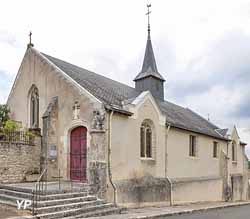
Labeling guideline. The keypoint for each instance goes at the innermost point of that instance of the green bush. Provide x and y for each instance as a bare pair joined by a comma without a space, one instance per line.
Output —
4,114
11,126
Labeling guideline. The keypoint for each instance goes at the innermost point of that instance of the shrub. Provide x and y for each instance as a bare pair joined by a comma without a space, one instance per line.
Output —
11,126
4,114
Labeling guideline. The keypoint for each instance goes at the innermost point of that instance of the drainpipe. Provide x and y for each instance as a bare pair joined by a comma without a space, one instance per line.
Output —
166,166
109,157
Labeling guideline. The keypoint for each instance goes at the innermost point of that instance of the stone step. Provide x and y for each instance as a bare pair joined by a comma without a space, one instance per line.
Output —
23,195
16,194
17,189
56,208
65,201
8,199
63,195
76,188
74,212
12,200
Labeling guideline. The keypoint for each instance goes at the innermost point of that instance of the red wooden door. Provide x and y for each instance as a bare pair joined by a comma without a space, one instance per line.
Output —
78,154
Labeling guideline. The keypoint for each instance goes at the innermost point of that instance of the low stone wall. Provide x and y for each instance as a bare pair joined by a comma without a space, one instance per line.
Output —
18,161
140,191
191,190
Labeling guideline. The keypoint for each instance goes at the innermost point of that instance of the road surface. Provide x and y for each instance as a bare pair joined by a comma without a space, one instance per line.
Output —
242,212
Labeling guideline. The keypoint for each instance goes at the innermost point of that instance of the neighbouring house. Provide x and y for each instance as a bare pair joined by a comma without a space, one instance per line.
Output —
129,143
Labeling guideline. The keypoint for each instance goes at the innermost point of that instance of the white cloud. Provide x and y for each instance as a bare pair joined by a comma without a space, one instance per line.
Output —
109,37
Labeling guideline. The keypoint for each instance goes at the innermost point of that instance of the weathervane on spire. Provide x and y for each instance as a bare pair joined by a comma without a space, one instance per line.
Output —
30,43
148,14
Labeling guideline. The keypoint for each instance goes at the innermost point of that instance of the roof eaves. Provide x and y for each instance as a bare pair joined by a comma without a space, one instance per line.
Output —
118,110
198,132
139,77
243,143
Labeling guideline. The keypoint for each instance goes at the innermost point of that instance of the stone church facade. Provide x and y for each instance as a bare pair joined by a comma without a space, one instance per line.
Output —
128,144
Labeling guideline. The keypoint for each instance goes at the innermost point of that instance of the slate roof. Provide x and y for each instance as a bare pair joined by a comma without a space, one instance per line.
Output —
113,93
103,88
149,67
185,118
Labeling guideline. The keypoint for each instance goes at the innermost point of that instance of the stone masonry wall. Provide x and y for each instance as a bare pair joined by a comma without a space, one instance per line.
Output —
50,127
18,161
139,191
97,166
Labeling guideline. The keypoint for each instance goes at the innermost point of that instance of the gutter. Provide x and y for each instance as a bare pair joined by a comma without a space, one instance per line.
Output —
109,158
166,166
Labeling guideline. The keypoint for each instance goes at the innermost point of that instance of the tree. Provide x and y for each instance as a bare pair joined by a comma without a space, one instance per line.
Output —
4,114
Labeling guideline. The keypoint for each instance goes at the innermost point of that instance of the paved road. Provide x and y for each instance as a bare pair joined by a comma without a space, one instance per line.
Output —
242,212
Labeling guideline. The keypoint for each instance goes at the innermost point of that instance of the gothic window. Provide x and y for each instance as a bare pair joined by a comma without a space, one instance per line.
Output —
233,151
34,107
146,140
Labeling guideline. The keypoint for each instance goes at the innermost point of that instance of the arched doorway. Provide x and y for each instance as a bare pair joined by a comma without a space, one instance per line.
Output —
78,154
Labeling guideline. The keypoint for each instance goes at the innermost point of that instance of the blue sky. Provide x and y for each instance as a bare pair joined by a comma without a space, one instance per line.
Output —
202,48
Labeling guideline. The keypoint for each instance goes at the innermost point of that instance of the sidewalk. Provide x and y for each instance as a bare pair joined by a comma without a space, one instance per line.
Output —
163,211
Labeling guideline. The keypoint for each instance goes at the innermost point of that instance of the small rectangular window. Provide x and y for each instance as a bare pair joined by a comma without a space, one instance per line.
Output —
192,146
215,149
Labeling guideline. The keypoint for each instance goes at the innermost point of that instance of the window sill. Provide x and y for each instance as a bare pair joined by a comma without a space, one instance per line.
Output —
149,159
193,157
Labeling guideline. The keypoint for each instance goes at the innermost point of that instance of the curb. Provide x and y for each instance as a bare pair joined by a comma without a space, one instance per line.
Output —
158,216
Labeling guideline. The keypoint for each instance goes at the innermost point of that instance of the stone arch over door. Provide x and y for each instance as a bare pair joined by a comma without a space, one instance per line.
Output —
78,154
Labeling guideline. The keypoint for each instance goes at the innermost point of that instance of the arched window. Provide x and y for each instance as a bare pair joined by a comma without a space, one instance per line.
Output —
146,134
233,151
34,107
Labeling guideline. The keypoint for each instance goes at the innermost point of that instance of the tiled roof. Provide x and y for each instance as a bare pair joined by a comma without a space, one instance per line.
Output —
113,93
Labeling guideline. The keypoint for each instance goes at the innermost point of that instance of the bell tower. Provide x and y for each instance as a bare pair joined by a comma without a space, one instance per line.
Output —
149,78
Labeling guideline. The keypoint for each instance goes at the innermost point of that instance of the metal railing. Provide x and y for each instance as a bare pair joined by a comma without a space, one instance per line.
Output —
17,137
59,178
39,189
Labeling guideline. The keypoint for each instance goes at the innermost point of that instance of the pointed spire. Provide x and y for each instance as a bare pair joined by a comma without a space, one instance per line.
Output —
149,67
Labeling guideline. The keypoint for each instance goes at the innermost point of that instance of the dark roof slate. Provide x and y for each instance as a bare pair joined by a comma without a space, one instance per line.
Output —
113,93
185,118
104,89
149,67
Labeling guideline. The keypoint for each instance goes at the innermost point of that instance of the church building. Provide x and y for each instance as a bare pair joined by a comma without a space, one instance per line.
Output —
129,143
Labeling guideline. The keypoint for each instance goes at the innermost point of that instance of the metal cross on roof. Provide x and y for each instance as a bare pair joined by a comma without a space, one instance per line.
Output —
148,13
30,37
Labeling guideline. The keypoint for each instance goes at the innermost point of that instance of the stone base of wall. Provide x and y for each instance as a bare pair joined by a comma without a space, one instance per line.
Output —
141,191
98,178
18,161
191,190
237,187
